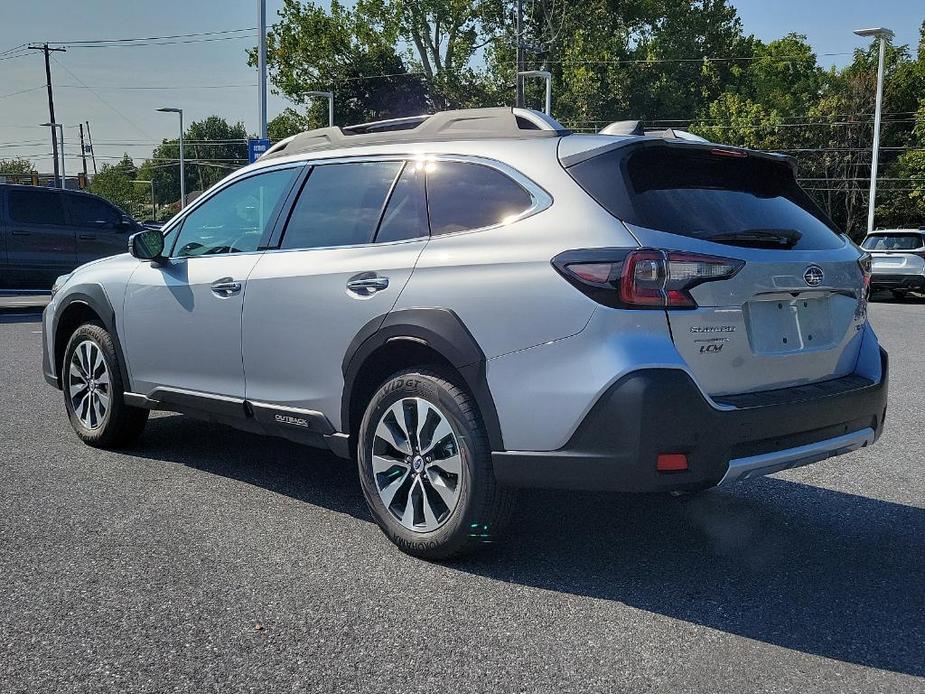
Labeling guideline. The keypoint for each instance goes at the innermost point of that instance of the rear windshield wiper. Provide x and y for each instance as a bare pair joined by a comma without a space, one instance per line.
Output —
760,238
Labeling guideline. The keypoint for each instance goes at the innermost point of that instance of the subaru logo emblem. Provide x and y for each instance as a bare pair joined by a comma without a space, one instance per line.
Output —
813,275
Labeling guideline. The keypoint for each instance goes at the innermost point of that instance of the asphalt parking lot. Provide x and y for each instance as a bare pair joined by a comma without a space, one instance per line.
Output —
205,559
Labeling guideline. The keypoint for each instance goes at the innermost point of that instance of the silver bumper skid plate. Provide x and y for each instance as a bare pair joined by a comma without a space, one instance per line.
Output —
767,463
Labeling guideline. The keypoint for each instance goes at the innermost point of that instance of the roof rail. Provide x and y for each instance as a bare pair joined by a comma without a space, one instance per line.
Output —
463,124
635,127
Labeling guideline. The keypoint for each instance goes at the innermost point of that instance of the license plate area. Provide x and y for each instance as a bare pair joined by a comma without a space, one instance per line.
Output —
790,325
888,262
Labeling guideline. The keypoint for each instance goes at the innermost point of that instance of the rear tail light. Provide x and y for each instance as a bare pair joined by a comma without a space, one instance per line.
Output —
644,278
866,263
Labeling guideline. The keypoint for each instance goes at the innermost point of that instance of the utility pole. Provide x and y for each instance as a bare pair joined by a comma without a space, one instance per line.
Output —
519,98
83,150
92,151
262,67
883,35
51,101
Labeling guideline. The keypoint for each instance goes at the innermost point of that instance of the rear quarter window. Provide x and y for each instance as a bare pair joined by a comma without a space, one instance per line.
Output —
696,193
463,196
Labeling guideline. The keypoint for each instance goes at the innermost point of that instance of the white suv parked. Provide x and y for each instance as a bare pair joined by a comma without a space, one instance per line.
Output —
898,257
479,300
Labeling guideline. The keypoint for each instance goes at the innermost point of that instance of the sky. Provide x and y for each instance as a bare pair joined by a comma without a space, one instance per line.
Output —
119,88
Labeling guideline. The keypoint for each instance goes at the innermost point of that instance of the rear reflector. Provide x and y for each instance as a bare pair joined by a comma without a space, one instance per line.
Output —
671,462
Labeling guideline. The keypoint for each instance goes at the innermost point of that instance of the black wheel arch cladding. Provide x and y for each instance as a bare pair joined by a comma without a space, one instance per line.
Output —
94,298
440,330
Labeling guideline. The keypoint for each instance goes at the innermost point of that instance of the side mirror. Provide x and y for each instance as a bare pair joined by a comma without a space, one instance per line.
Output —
147,245
125,223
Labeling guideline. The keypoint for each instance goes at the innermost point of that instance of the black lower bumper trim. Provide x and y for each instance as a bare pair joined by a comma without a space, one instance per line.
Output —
897,282
657,411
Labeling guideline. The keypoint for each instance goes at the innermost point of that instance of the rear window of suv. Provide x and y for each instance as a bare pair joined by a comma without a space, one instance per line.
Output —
710,194
893,242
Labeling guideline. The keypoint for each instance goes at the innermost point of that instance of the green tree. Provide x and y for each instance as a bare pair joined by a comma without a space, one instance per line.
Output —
212,149
289,122
443,37
314,49
16,167
115,183
902,193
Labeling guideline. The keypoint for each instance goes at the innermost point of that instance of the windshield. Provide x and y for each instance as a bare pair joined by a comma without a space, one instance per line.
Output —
892,242
710,194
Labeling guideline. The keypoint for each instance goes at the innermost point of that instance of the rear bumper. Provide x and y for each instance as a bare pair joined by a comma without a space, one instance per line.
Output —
879,281
655,411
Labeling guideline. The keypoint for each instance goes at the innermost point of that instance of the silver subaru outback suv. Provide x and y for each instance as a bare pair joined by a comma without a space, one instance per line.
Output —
479,300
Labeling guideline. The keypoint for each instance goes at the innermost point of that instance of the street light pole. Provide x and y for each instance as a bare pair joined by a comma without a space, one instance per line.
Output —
179,111
262,67
547,76
60,139
330,97
883,34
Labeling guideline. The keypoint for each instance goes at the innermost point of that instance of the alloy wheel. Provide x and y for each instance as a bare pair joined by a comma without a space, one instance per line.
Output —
416,464
88,384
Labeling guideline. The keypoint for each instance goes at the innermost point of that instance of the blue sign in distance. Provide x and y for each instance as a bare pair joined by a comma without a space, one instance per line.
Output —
255,148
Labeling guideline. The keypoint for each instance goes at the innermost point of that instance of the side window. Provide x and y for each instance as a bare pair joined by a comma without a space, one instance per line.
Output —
406,212
36,206
87,211
340,204
464,196
234,219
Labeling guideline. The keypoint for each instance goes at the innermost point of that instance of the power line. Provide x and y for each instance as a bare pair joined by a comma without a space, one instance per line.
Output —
158,43
702,59
22,91
168,37
101,99
158,88
13,49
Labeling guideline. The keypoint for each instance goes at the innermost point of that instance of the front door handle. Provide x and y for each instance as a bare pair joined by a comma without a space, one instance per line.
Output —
86,237
367,284
20,232
226,286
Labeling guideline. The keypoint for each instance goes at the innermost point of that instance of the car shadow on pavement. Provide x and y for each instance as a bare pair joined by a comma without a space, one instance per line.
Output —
888,298
798,566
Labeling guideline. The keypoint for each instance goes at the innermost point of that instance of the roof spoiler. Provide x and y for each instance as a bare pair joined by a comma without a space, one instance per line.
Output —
635,127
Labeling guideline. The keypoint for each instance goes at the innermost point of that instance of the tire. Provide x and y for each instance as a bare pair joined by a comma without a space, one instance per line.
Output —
455,481
95,404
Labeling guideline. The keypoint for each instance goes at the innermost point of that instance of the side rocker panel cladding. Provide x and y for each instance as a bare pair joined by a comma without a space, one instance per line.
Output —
442,331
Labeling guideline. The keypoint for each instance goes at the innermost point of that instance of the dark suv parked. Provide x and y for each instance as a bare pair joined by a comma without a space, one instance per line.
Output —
47,232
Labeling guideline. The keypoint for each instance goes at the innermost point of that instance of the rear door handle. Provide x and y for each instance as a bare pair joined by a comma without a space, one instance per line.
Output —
86,237
226,286
19,232
368,284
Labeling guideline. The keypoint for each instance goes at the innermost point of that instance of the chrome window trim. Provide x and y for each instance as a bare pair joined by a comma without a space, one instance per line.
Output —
540,199
232,178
